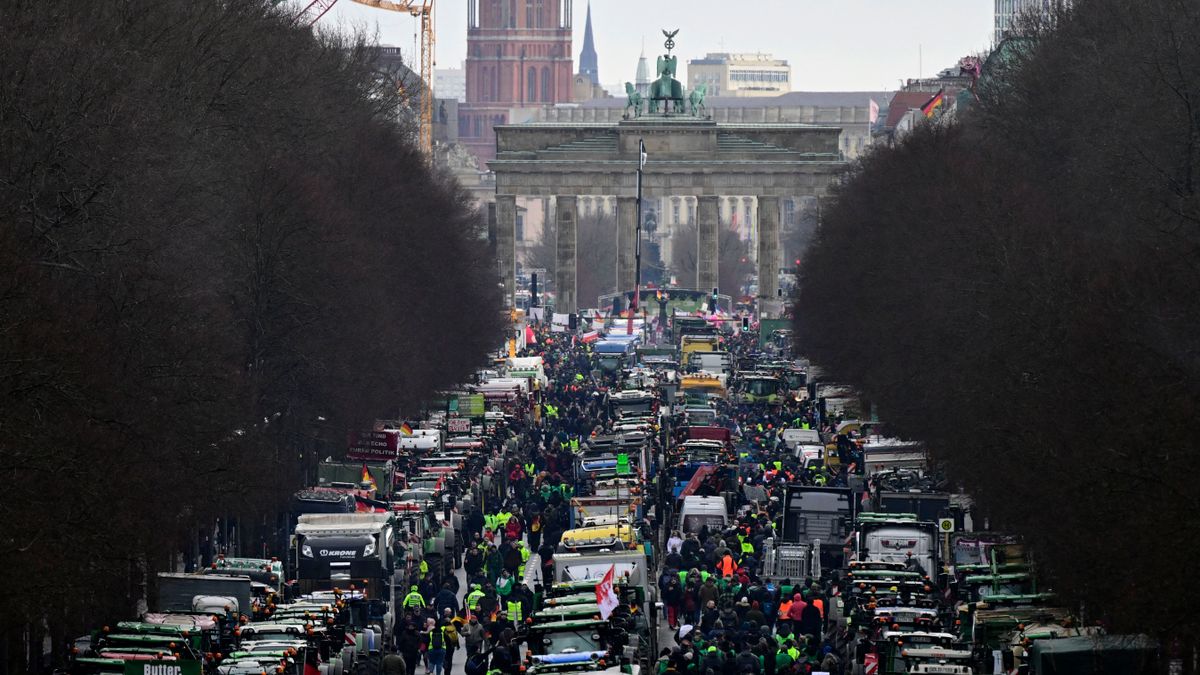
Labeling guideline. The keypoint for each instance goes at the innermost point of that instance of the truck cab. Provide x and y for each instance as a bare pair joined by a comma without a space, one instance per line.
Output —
698,512
896,537
341,547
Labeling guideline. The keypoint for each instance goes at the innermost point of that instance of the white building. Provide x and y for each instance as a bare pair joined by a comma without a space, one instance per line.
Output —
1007,12
727,74
450,83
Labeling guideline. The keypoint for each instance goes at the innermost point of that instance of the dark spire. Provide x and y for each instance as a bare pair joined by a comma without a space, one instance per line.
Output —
587,57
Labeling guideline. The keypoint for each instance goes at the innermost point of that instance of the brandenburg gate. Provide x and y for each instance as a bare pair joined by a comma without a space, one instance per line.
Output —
687,155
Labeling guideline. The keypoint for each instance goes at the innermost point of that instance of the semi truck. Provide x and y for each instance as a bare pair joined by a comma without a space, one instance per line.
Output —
895,538
816,524
338,547
195,593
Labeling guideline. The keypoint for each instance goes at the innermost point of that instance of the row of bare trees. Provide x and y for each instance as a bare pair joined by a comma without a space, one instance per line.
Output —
1019,288
219,250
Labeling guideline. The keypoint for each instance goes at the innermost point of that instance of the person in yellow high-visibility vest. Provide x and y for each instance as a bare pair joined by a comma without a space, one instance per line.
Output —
747,548
524,559
414,600
473,598
514,611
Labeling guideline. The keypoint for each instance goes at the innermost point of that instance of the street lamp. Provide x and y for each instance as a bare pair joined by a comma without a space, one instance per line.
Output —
637,239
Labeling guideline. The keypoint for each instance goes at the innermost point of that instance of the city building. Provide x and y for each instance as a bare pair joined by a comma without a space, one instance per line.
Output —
727,74
1008,12
518,60
849,110
450,83
902,114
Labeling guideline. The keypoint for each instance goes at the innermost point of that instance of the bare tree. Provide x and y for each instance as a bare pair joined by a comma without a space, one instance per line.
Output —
734,265
215,229
1018,289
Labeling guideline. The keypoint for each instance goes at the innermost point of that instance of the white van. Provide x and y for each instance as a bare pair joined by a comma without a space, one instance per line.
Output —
797,437
700,511
529,366
806,452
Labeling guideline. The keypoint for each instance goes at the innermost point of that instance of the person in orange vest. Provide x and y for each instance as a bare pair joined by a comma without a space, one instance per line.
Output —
784,620
726,565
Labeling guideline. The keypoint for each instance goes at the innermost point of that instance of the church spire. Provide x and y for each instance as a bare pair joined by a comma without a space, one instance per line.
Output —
588,62
642,79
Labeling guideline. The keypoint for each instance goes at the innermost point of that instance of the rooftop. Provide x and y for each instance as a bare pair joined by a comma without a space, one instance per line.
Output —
901,103
793,99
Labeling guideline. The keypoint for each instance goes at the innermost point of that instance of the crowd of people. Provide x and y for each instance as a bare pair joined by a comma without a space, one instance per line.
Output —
727,619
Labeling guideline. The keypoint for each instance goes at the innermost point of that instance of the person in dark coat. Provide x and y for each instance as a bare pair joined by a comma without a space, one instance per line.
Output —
768,649
477,664
546,556
512,559
473,562
475,521
533,526
445,599
747,662
408,643
810,622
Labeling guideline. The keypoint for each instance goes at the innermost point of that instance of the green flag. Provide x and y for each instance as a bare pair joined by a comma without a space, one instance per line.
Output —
622,464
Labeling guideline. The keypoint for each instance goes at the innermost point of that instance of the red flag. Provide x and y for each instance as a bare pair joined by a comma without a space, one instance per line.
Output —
530,338
606,598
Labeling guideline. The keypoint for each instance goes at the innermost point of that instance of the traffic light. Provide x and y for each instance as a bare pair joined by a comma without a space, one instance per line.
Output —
533,290
745,323
572,321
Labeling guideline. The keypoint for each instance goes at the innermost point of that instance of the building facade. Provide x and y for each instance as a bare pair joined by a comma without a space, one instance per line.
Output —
848,110
518,59
450,83
1008,12
726,74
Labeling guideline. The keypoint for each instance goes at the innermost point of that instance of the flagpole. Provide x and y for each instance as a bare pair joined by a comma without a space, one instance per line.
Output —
637,238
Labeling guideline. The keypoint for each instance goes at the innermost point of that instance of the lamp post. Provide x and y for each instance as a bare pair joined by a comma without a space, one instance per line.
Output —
637,239
663,299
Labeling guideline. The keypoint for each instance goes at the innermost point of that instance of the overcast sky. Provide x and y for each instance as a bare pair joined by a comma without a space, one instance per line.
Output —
832,45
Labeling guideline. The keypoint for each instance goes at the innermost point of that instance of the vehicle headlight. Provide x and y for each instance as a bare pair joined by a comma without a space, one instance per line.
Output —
369,549
306,551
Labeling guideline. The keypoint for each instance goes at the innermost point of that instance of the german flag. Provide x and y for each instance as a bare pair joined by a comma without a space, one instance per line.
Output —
934,103
406,429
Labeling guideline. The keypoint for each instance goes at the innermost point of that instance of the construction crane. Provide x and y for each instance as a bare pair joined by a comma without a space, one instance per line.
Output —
422,9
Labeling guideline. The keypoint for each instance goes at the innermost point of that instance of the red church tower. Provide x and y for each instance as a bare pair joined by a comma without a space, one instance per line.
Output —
518,56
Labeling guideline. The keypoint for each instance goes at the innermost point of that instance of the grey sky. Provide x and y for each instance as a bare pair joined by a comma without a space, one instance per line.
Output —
832,45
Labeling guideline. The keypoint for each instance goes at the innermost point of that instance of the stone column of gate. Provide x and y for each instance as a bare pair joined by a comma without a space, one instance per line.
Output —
768,248
506,243
626,231
707,225
565,300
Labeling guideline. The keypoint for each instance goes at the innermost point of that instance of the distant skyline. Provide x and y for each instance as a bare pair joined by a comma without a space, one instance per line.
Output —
832,45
